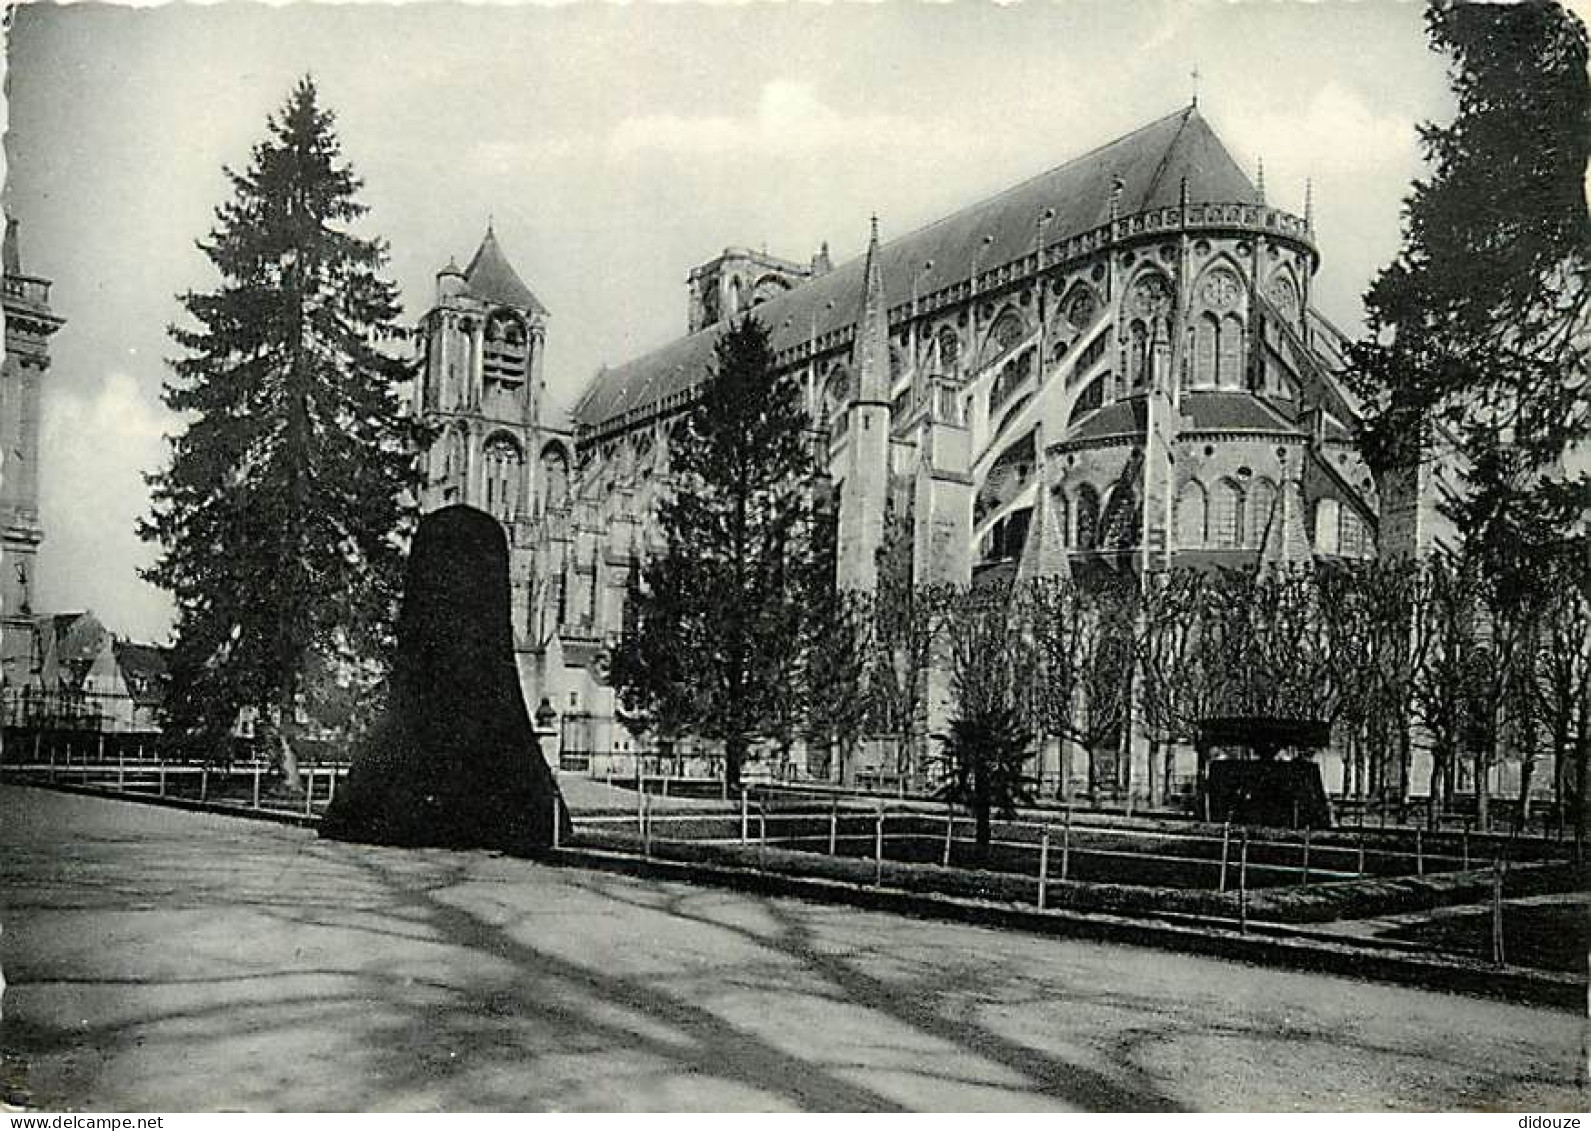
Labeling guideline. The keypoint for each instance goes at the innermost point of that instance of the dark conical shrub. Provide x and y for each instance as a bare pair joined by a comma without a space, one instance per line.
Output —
454,762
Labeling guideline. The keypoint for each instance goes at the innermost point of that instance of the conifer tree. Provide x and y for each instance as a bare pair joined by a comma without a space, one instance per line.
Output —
281,511
722,597
1481,329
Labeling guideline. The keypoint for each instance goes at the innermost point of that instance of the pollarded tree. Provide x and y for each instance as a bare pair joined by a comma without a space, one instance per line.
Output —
1176,691
1562,683
907,620
986,753
1084,643
1443,648
723,595
1369,613
838,647
281,513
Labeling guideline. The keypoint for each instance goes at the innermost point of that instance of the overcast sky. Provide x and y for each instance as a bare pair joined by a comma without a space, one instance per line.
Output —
616,147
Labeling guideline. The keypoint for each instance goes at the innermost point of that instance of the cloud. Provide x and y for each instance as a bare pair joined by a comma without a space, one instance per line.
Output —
789,117
1337,131
95,448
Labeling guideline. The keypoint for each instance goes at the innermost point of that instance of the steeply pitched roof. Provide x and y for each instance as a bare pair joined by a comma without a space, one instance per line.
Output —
143,669
491,278
1151,163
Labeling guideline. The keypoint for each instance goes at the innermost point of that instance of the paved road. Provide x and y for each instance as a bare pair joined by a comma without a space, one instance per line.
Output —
175,961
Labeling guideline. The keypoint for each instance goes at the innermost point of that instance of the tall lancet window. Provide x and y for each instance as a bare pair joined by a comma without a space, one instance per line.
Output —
1087,533
504,468
1226,515
1229,353
1137,355
1263,512
1192,515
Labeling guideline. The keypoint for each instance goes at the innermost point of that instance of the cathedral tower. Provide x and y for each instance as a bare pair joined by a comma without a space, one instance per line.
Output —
865,491
480,387
29,324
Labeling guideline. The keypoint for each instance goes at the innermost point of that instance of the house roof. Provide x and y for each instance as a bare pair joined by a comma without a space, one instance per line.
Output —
143,668
1150,164
491,278
77,637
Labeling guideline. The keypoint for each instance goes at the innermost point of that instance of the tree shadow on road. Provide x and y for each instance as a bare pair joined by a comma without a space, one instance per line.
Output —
328,976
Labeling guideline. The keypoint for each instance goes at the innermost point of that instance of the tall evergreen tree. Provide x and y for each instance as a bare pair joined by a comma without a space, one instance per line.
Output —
1481,329
722,597
281,511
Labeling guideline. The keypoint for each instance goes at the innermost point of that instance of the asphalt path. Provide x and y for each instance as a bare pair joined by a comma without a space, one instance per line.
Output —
174,961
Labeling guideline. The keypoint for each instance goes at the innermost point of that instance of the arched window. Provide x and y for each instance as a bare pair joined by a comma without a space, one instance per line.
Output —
1327,526
1011,376
554,477
1081,308
1137,355
836,399
1354,540
505,356
1005,335
455,465
1087,535
1122,518
1229,353
1262,512
1226,515
504,464
736,298
949,350
1192,514
769,286
1205,332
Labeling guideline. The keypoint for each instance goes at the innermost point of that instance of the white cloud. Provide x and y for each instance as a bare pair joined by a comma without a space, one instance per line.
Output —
95,449
789,117
1337,131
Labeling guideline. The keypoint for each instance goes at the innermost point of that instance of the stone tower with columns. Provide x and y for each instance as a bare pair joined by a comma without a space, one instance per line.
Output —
479,387
29,324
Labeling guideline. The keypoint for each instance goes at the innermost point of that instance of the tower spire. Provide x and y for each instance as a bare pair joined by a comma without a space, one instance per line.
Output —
1309,203
1259,184
865,494
871,349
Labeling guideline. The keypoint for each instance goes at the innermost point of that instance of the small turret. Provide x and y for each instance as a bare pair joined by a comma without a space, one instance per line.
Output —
822,264
449,280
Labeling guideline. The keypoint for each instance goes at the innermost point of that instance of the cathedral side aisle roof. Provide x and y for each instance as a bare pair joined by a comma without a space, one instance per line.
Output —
491,278
1151,164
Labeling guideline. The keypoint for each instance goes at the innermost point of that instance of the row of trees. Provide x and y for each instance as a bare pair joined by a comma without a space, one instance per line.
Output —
1393,656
